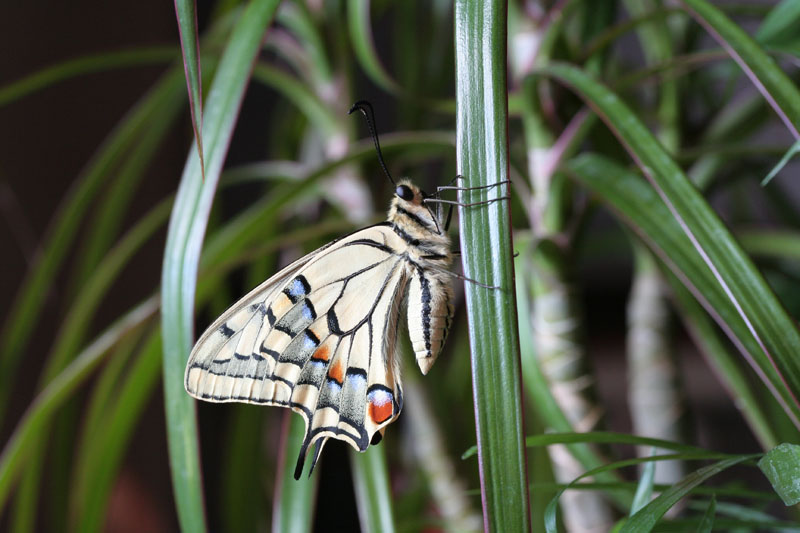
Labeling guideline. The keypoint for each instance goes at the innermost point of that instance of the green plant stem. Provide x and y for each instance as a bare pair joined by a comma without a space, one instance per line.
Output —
482,158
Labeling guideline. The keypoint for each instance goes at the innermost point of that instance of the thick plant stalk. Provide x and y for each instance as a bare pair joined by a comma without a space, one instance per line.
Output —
328,136
428,445
654,397
556,319
557,329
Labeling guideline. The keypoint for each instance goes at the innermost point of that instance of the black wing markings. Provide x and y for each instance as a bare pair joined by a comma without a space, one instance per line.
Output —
362,440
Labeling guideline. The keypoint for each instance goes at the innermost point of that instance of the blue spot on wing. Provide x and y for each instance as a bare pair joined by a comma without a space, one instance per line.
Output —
356,378
308,311
297,289
310,341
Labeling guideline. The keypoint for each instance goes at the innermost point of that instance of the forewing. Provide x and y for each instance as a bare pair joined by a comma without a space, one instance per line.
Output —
225,352
319,337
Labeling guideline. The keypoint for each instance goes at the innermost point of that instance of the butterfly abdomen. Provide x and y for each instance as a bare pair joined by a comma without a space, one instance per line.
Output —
429,314
429,292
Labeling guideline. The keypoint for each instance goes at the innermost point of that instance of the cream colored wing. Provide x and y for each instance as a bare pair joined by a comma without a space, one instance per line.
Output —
318,337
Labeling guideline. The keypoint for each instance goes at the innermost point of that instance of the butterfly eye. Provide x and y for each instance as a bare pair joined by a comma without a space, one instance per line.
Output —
404,192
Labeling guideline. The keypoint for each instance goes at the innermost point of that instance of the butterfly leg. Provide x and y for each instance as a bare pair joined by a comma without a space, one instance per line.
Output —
438,200
450,187
478,283
449,218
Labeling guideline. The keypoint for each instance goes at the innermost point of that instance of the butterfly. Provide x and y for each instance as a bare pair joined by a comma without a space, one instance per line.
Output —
320,336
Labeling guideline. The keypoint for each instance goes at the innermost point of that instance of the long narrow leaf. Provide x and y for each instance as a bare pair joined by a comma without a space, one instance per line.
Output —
59,390
550,512
646,518
31,295
482,158
762,70
131,399
707,522
371,481
293,505
186,12
766,323
105,224
360,25
552,417
181,256
85,65
647,215
644,489
94,416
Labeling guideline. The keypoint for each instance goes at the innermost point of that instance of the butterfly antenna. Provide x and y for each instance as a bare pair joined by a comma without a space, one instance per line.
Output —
366,110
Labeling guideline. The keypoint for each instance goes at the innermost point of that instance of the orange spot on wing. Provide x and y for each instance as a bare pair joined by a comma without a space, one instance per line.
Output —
335,372
322,353
380,413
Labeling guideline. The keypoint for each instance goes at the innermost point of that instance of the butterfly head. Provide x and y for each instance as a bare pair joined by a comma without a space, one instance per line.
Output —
409,209
408,193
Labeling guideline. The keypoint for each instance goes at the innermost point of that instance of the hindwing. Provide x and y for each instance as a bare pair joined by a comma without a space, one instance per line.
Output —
318,337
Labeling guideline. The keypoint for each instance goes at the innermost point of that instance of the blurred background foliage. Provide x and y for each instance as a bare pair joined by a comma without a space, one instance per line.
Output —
641,311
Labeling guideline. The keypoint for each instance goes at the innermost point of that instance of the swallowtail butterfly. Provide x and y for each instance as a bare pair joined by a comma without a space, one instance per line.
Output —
320,336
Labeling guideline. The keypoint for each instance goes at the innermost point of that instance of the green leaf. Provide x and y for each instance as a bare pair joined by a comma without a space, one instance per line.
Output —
759,322
293,505
94,417
707,522
186,12
764,73
297,18
771,243
107,218
110,445
182,252
537,388
644,489
644,211
598,437
746,514
65,224
780,24
31,427
482,158
47,77
719,358
317,112
373,493
644,520
552,507
782,163
781,465
360,26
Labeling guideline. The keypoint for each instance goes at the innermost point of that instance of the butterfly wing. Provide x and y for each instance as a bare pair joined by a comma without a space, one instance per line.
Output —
318,337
